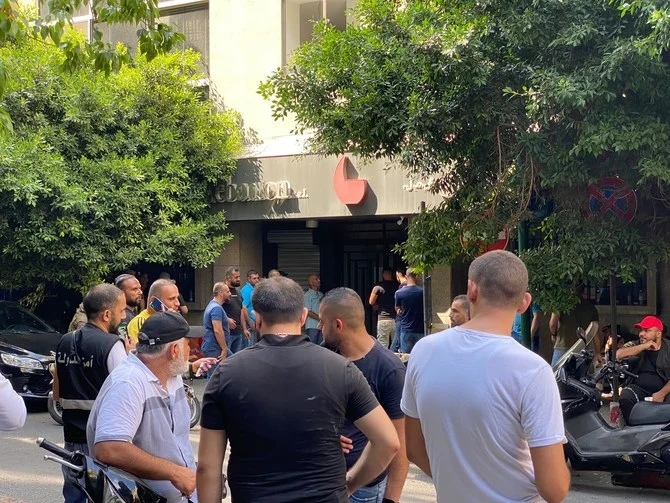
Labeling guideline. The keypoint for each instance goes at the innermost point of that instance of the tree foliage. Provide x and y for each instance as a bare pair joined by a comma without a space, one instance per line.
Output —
20,22
104,171
514,108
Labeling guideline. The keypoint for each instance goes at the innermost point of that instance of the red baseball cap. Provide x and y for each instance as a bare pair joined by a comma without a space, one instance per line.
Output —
650,322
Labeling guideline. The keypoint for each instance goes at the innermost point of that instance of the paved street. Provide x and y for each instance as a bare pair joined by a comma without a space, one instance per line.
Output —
25,478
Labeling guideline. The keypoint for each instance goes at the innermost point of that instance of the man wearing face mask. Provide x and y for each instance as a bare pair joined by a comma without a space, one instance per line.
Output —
140,422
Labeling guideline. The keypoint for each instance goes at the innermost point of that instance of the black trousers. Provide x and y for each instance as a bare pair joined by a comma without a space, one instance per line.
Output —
631,395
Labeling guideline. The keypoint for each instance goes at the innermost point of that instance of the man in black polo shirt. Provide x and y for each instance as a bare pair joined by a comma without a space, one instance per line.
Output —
236,312
343,324
84,359
282,404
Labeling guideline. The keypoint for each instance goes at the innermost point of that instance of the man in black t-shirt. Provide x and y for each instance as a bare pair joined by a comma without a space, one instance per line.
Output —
282,404
343,319
383,301
653,370
236,312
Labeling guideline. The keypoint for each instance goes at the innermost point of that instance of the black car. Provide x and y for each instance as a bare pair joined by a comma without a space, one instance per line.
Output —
26,343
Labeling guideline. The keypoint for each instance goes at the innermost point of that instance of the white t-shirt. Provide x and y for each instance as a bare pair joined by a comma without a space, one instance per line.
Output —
12,408
482,400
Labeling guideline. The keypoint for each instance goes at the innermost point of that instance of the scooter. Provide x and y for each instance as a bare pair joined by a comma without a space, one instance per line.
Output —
100,483
642,447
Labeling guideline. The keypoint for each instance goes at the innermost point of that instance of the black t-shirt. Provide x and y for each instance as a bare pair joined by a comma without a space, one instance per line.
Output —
648,378
386,375
282,403
386,300
233,310
410,298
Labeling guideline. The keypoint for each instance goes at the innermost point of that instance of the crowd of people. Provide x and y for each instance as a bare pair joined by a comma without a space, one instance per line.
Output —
324,411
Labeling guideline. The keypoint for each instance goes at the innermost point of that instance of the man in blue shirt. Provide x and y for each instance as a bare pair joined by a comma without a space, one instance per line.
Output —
312,300
217,332
536,317
246,291
409,304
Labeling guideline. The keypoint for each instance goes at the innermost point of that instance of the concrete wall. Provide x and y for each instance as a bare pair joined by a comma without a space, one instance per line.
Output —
246,47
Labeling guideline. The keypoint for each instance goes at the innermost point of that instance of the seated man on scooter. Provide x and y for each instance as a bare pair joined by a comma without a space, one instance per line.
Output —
653,368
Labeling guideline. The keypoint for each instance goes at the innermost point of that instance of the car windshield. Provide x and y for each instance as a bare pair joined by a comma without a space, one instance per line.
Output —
14,318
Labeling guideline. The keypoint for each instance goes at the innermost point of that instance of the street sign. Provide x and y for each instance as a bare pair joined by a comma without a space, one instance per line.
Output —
498,244
611,195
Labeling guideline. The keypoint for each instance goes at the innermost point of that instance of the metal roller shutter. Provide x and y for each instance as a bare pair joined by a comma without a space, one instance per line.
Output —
297,255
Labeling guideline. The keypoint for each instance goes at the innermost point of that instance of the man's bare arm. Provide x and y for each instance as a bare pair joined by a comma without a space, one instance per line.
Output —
552,476
383,444
217,327
313,315
210,465
399,466
416,445
134,460
535,323
633,350
553,323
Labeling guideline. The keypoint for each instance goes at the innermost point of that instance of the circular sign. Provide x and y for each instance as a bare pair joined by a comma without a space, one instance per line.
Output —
498,244
612,195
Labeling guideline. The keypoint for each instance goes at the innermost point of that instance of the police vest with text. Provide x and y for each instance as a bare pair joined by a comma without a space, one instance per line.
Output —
81,363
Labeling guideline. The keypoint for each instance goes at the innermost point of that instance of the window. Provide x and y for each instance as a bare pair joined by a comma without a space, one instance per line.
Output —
300,16
632,298
190,17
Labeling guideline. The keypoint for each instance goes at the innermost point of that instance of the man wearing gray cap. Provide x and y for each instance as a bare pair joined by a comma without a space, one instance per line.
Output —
141,420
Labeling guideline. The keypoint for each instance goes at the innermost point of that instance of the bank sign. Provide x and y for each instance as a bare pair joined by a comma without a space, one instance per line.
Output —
312,186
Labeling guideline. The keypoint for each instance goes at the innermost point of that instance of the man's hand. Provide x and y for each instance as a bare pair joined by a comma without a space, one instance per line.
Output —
651,345
658,397
378,289
246,333
231,324
223,355
346,443
203,365
184,480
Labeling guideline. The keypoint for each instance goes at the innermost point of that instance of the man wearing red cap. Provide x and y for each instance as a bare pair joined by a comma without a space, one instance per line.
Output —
653,368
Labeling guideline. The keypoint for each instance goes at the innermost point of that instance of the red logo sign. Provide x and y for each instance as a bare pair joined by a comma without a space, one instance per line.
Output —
350,191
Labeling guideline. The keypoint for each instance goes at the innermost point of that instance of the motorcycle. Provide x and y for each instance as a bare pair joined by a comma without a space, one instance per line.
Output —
56,411
103,484
640,449
100,483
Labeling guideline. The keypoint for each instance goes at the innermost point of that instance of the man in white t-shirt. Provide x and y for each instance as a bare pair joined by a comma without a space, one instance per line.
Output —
483,413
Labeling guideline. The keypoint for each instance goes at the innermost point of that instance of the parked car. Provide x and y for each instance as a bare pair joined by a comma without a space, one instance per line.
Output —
26,346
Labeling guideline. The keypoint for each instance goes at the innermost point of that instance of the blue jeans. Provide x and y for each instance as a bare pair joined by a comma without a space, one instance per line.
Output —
314,335
213,353
70,492
236,342
558,353
370,494
395,343
408,340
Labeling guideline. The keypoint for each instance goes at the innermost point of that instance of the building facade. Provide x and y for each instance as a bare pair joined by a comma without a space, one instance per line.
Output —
304,213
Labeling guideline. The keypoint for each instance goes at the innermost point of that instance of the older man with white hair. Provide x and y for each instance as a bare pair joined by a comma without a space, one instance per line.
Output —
141,419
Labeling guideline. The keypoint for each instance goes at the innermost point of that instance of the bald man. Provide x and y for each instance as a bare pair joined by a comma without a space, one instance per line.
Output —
342,322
